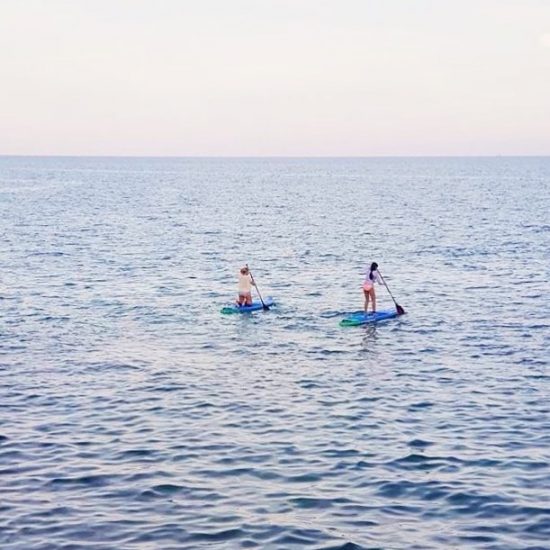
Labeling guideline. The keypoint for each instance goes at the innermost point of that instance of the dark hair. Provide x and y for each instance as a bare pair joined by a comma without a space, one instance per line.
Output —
373,267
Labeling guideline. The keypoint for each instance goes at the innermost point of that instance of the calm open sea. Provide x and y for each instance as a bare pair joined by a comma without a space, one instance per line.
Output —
134,416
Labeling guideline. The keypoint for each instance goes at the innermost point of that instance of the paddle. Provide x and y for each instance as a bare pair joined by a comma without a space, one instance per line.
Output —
398,308
264,306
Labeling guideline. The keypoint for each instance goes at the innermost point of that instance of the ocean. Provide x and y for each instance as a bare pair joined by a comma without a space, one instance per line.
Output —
133,415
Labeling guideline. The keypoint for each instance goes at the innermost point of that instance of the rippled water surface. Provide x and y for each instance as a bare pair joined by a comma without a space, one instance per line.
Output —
134,416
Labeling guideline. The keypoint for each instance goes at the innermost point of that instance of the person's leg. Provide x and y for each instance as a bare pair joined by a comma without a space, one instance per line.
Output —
248,301
366,293
240,300
373,299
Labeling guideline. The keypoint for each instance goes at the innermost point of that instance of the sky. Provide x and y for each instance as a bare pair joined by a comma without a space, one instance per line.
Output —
275,78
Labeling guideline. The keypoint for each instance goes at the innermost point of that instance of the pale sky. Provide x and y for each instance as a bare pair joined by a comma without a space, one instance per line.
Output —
279,77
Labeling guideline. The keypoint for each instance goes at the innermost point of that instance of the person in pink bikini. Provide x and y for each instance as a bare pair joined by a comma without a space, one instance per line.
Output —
372,277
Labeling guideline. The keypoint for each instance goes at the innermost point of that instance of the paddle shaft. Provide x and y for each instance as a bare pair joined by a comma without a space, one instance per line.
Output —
398,308
257,290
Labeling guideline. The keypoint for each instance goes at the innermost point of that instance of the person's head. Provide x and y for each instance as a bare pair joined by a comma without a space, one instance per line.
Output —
373,267
244,270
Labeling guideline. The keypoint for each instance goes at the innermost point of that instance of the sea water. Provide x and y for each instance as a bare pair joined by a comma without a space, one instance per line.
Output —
133,415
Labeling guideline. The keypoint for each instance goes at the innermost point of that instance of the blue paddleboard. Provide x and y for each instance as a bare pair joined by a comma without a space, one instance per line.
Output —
359,318
246,309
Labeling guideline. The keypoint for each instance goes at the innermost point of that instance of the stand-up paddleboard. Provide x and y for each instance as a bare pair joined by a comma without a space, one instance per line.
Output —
247,309
359,318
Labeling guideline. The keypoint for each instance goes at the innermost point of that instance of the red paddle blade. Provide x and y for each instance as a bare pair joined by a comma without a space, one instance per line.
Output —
400,310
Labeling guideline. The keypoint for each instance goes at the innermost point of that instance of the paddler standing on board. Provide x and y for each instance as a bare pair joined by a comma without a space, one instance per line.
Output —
372,276
246,282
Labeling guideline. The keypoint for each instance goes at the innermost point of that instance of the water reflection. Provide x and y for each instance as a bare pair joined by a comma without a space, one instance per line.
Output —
369,338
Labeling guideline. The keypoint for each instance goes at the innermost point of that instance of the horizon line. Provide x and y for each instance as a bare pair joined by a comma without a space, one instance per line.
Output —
86,155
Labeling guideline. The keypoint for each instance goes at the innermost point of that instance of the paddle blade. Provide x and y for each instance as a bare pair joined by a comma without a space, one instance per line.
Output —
399,309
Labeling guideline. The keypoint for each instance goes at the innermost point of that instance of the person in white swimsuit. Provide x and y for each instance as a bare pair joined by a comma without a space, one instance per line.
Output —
372,277
246,282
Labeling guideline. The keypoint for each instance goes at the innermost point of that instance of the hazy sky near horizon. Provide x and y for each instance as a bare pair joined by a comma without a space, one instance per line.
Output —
280,77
